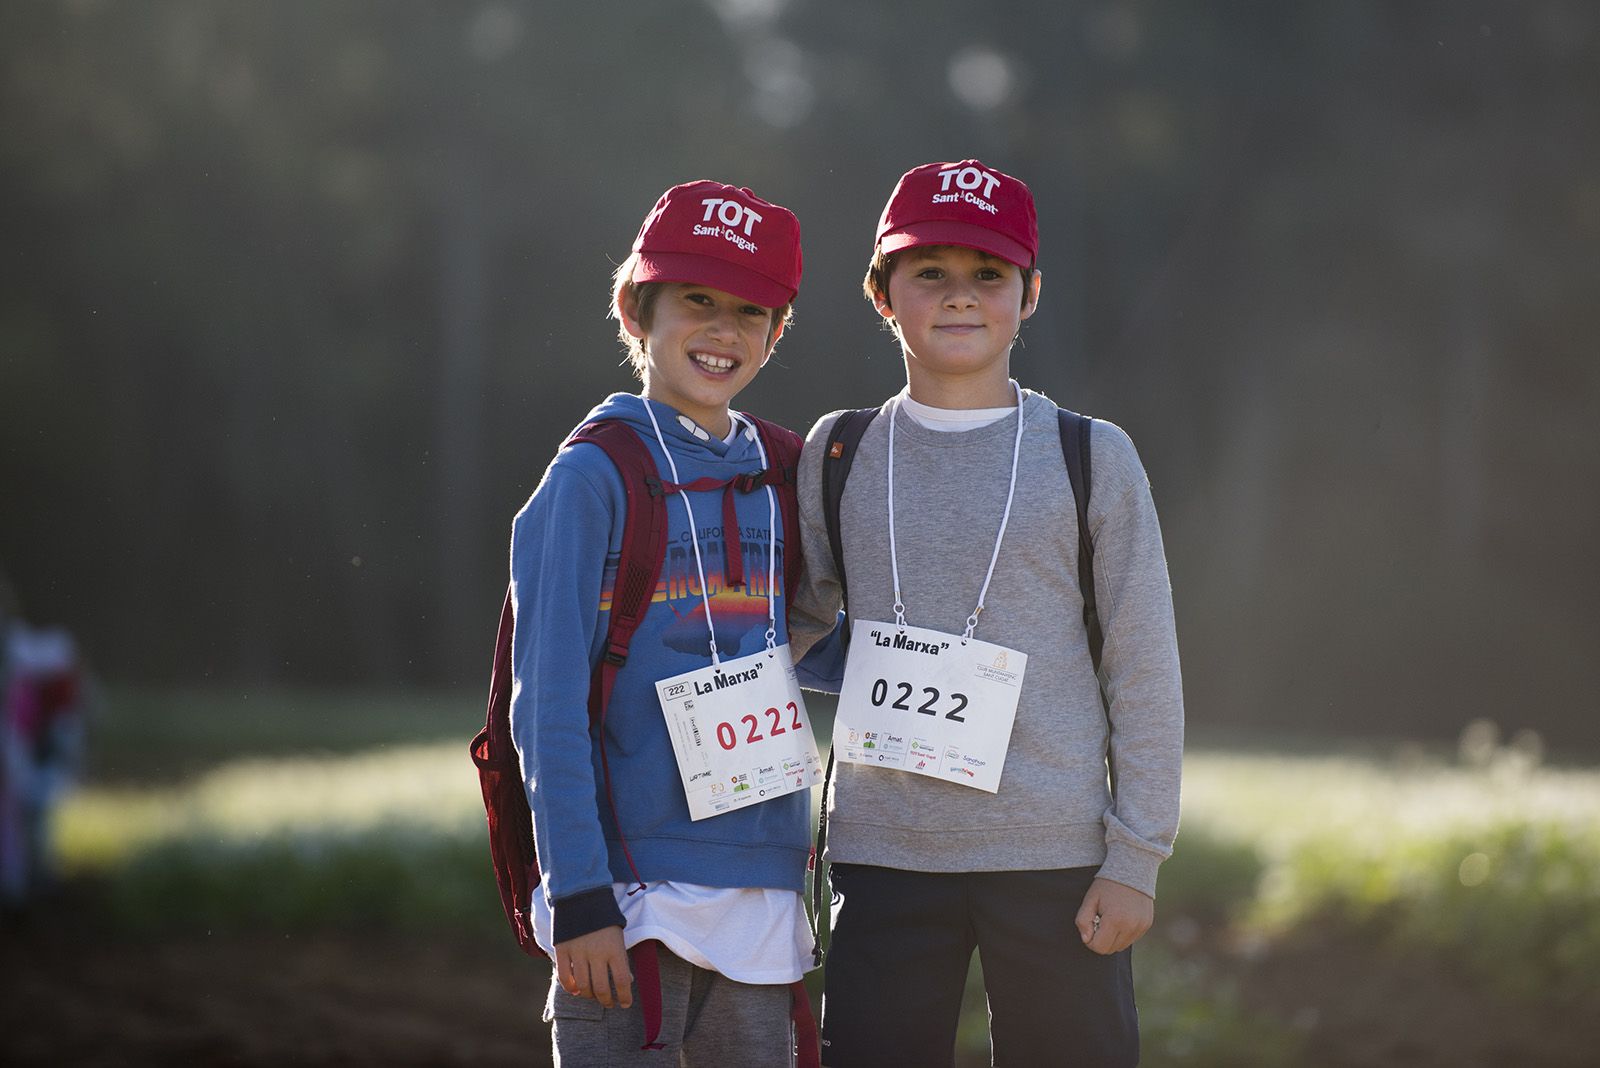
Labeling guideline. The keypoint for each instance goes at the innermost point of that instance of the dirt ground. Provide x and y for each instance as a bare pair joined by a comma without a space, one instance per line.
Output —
1366,1007
68,996
328,999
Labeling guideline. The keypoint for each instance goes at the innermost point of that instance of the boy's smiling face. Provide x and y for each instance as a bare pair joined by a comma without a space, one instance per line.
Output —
956,311
702,346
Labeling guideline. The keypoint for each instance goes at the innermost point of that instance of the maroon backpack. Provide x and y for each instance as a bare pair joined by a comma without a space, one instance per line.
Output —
644,536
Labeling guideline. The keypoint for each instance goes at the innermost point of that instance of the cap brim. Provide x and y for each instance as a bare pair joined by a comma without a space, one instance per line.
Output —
696,270
946,232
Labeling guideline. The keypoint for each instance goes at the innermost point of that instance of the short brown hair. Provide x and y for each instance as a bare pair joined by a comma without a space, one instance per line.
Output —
643,296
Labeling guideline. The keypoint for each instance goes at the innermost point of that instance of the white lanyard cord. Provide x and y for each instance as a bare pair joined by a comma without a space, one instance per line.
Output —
894,560
772,544
694,537
1005,518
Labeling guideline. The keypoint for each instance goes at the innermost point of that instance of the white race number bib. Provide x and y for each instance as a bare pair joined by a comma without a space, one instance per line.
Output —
740,732
919,700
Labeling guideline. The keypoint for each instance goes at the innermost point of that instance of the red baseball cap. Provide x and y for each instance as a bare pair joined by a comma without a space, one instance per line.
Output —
710,234
968,204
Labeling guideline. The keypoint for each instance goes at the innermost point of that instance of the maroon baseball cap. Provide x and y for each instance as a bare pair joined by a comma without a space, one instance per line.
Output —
968,204
710,234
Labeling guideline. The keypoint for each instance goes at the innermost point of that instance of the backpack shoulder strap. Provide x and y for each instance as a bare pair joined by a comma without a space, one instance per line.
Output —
638,570
1075,449
644,548
783,465
843,439
511,849
644,543
838,454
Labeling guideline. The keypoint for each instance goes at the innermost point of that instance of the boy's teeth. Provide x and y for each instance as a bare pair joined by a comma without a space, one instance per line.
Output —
715,363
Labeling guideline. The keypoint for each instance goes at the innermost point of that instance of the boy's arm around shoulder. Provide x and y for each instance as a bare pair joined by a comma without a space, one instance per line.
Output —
814,609
559,544
1144,684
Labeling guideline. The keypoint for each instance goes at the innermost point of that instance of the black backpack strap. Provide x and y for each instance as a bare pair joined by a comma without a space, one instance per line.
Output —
1075,448
843,438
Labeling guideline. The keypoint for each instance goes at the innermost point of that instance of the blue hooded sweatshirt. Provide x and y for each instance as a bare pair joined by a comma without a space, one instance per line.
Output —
565,546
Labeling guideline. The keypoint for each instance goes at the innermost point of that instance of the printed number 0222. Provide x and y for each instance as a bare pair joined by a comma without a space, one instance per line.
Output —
903,692
727,737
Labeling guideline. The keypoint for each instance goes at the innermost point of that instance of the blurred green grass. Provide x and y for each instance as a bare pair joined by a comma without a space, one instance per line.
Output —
145,736
325,811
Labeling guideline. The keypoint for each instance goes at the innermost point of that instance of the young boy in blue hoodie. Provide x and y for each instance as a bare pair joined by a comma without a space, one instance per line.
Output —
640,851
984,797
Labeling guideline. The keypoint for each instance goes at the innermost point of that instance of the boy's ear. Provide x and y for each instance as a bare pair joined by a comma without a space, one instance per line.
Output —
628,311
881,302
1031,305
772,342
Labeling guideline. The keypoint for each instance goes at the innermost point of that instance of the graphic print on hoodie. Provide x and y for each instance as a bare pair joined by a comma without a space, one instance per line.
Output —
739,609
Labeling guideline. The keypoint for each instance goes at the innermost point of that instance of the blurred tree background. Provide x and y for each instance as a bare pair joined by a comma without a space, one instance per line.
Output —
297,300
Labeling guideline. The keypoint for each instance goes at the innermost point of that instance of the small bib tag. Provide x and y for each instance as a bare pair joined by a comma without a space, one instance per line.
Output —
926,702
740,732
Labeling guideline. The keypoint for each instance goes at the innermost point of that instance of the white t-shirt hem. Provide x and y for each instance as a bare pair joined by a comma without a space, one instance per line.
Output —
634,934
755,935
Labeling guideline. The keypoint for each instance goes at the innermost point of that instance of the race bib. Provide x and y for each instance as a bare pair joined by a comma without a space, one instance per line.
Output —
919,700
740,733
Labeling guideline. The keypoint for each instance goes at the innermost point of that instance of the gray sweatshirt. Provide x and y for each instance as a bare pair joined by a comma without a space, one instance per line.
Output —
1055,807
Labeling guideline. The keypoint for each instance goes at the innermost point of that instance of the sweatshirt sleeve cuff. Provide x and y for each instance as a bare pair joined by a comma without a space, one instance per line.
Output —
1130,869
1130,859
581,913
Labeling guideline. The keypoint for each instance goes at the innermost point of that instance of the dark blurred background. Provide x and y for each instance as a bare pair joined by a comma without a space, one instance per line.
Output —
297,300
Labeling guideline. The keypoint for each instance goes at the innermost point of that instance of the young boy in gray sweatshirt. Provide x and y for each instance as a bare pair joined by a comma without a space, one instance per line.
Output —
985,797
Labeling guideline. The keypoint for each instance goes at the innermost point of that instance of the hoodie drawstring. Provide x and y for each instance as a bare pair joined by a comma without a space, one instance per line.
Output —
733,565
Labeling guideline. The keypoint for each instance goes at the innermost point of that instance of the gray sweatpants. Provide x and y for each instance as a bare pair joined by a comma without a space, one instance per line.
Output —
707,1019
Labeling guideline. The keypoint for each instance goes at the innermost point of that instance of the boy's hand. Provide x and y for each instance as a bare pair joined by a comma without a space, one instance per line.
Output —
1113,916
589,965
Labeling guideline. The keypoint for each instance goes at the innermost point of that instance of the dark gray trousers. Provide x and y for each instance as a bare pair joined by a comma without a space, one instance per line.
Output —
707,1019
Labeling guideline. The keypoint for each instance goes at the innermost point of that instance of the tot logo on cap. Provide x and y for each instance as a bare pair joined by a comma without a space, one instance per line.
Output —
968,204
710,234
